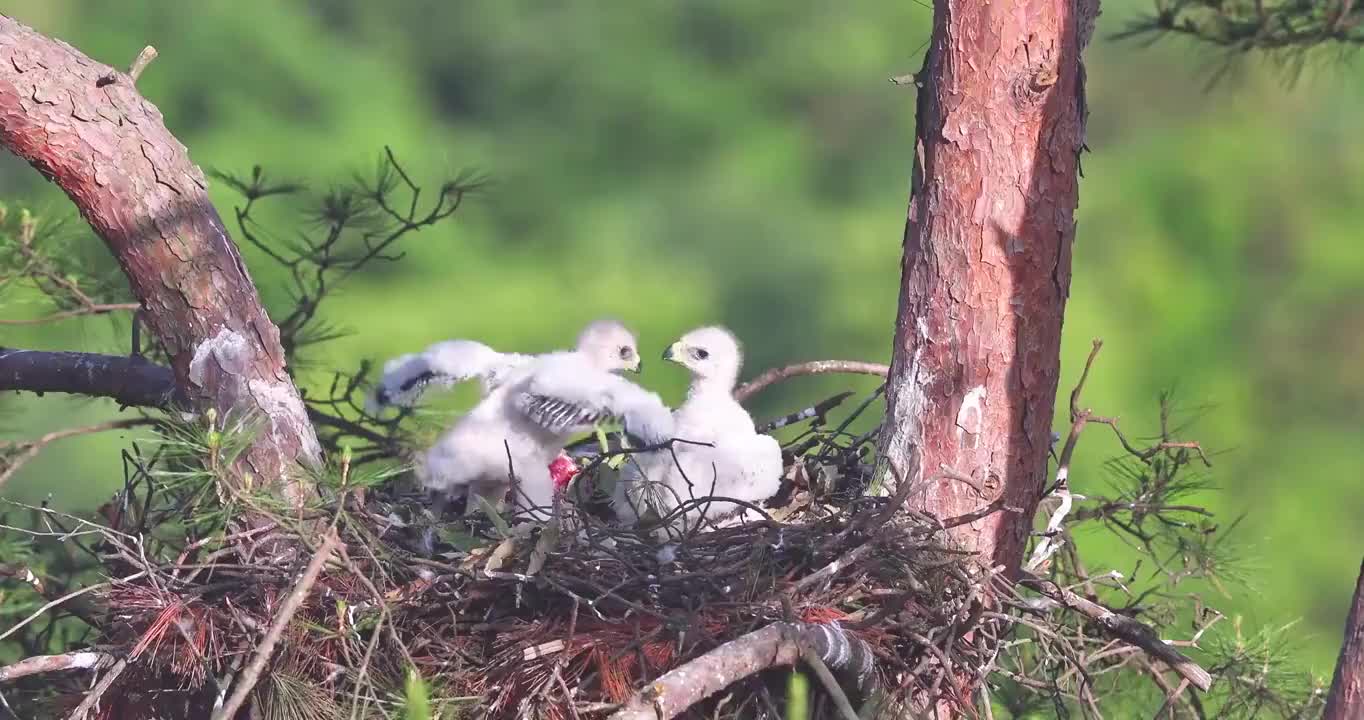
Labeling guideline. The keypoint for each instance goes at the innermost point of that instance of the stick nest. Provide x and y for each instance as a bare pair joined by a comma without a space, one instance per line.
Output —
194,590
554,620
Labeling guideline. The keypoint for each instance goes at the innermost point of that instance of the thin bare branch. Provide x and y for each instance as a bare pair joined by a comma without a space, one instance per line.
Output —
1123,628
26,450
93,309
38,664
251,675
815,367
82,711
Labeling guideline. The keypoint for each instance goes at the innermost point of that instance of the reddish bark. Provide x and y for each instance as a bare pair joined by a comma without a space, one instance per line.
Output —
84,126
1346,701
987,261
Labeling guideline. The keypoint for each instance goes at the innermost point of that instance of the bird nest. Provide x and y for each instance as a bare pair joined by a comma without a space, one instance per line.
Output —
207,598
195,596
333,608
519,624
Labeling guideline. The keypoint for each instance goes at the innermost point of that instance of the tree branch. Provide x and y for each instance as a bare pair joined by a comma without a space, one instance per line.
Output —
95,309
30,449
131,381
1121,627
38,664
777,645
814,367
251,675
83,125
1346,699
82,711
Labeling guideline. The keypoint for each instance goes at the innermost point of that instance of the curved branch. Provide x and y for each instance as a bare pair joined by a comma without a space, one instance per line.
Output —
84,126
814,367
26,451
777,645
1133,632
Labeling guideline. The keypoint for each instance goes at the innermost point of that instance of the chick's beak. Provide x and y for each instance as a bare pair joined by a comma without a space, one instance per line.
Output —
673,352
638,367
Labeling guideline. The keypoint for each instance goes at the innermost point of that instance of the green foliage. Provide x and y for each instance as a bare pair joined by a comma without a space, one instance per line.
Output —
1287,29
46,261
797,696
416,698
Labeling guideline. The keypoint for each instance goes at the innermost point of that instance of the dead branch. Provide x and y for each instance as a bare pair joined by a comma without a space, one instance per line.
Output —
776,645
83,710
1052,536
85,660
141,62
814,367
251,675
1346,699
27,450
1121,627
129,380
93,309
67,597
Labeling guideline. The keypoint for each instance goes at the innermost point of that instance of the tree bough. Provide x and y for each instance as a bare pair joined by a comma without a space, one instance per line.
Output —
84,126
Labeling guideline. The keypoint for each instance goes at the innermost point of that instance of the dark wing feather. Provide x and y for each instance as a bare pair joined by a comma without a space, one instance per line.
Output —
558,415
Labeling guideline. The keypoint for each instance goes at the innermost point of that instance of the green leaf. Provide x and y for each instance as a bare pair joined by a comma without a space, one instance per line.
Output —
416,698
797,696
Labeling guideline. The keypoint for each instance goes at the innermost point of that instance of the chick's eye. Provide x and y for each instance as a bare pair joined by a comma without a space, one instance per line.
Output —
701,353
625,353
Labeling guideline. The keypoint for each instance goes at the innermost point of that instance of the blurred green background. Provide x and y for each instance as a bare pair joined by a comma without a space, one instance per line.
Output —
747,162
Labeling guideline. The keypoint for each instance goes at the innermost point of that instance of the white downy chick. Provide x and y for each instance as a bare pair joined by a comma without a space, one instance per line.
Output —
742,464
521,424
444,364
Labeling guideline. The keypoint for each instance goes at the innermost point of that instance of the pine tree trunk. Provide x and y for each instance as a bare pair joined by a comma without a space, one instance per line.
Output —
987,262
1346,700
84,126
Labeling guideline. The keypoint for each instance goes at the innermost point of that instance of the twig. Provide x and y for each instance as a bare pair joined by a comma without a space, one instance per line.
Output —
830,683
69,596
31,448
832,569
1172,694
85,660
1084,376
141,62
96,309
903,489
1123,628
251,675
1051,537
815,367
818,410
98,691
